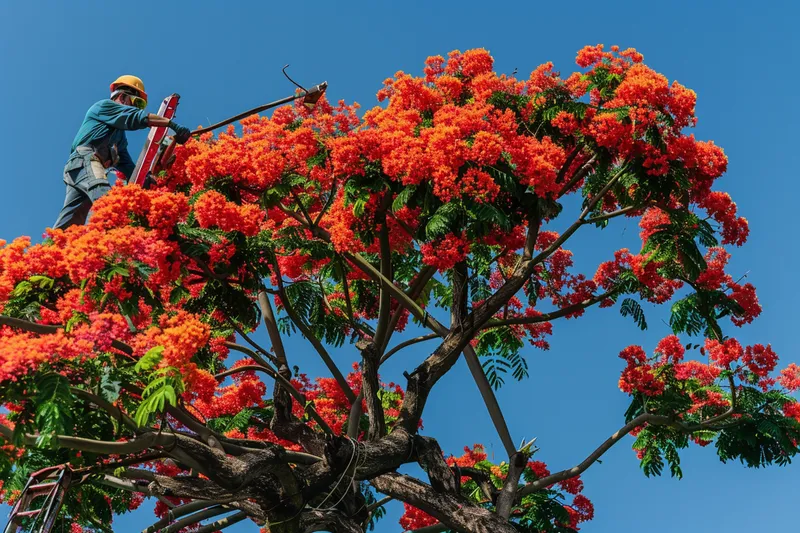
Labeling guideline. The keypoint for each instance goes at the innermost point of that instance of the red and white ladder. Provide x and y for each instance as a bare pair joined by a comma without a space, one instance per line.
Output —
47,489
155,149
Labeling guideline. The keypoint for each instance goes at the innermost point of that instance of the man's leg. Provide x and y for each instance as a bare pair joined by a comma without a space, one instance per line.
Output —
85,184
76,207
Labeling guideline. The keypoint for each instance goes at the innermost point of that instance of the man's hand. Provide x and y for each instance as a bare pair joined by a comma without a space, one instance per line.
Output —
182,133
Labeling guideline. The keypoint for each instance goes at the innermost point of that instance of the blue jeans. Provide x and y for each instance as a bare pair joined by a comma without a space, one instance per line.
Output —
86,181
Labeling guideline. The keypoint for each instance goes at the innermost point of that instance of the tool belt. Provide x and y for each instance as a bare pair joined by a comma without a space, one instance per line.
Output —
106,152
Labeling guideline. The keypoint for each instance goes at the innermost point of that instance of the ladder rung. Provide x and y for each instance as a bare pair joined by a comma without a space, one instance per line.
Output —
42,486
29,513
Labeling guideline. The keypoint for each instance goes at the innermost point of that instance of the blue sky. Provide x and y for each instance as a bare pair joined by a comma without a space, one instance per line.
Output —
57,59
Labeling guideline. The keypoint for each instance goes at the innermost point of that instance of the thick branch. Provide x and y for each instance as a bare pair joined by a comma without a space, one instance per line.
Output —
385,299
431,458
435,528
44,329
508,494
332,521
197,517
272,327
370,387
452,510
117,483
179,511
148,440
219,525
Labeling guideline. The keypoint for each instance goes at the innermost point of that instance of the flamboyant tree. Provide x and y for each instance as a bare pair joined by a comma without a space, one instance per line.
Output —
127,349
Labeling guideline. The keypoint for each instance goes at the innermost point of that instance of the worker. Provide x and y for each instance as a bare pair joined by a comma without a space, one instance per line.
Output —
100,148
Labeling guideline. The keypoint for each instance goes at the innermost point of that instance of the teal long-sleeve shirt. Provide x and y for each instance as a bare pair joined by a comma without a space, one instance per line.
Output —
108,119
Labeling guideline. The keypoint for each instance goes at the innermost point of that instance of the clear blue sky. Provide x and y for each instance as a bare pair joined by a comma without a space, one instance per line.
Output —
57,59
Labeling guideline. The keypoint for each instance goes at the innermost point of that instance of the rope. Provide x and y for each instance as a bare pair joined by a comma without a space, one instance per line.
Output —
353,456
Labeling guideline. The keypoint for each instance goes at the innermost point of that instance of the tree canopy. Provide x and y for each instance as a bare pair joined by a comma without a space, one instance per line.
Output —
127,348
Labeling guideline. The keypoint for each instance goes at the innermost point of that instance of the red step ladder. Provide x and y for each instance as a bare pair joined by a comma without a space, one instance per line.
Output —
155,147
49,483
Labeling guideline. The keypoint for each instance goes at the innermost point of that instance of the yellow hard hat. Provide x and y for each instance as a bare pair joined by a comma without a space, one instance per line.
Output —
129,81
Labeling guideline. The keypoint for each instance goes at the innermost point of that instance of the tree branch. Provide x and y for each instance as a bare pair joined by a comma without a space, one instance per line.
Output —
44,329
508,494
578,176
197,517
613,214
272,327
646,418
179,511
370,387
219,525
547,317
257,347
121,484
107,406
148,440
568,162
408,343
385,299
450,509
263,366
415,289
435,528
308,334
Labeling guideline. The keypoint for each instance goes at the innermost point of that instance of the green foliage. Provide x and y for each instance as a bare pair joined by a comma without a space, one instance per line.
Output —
402,199
150,359
88,502
659,445
701,311
240,421
631,307
760,441
369,500
163,388
543,512
501,350
53,402
27,298
444,220
676,243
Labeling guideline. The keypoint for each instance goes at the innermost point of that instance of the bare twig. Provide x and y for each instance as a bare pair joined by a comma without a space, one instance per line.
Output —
407,343
613,214
646,418
578,176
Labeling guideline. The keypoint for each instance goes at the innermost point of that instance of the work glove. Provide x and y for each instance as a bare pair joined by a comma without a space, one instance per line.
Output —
149,181
182,133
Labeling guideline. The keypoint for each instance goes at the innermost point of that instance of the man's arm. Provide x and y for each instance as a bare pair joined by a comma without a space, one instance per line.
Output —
182,133
157,121
124,117
120,116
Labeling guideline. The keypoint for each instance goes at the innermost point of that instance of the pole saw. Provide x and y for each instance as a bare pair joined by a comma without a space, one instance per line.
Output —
157,154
